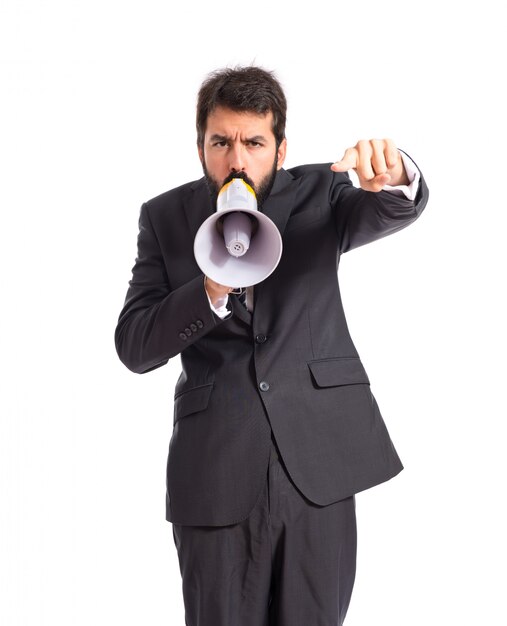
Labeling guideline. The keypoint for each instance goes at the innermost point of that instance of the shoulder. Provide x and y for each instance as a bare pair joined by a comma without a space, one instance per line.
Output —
317,171
310,168
319,175
173,199
176,194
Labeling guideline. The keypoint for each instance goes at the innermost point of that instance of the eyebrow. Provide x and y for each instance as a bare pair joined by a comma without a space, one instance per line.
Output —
256,138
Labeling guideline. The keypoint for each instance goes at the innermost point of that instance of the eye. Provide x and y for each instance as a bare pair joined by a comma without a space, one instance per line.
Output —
254,144
220,144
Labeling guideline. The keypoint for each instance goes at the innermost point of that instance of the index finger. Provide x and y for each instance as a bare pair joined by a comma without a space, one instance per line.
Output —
348,161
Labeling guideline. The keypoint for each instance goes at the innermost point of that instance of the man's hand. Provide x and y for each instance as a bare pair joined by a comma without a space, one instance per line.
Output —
377,162
215,290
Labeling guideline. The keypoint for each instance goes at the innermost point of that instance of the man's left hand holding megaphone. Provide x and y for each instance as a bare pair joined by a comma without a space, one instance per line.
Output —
216,291
237,245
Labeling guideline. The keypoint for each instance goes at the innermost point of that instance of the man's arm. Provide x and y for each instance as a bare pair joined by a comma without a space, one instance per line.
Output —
157,322
367,214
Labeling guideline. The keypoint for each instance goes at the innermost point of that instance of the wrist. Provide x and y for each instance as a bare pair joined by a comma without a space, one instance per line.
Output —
217,297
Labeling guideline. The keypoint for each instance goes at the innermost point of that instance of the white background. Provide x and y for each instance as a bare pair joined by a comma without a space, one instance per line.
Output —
98,105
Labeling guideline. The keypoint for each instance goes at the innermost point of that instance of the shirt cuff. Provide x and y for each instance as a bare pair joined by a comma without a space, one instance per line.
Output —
221,310
410,190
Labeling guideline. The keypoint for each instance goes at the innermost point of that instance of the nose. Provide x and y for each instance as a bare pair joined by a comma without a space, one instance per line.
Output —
237,162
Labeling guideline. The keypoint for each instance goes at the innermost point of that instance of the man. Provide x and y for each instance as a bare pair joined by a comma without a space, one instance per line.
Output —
275,426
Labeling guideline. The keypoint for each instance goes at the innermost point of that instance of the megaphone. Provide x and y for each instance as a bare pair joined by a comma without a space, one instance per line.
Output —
237,246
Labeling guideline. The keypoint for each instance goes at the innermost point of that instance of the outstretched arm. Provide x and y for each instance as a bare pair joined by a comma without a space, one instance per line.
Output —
366,214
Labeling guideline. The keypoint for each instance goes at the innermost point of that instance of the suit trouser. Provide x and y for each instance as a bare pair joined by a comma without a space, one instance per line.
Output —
290,563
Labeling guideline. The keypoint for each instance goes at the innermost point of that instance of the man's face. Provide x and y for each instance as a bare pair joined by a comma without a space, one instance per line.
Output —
241,143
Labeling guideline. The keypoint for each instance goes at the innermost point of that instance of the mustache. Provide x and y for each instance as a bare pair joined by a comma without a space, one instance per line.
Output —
241,175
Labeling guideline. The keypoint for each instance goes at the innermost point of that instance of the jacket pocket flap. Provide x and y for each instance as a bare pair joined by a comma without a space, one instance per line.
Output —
191,401
339,371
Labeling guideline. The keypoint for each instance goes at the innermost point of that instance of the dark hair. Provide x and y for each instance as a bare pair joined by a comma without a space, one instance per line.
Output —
248,88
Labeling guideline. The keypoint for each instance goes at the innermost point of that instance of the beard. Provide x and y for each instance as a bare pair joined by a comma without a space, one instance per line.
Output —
262,190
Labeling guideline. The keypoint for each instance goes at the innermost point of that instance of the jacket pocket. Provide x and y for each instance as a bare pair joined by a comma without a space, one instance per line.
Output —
192,401
336,371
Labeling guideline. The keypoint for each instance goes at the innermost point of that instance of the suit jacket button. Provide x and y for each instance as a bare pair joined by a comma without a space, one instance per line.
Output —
193,328
183,336
260,338
263,386
188,331
199,323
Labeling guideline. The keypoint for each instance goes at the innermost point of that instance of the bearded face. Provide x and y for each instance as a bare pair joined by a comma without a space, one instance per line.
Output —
241,144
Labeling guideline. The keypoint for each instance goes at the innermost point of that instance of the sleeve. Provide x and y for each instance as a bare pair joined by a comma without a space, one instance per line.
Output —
157,322
365,216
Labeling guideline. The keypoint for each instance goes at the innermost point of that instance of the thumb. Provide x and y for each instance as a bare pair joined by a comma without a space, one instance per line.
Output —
375,184
382,179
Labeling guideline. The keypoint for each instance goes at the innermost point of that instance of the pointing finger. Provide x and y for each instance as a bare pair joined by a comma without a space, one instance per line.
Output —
347,162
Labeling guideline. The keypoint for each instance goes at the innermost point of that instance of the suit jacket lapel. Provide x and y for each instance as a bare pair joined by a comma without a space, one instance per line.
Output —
278,208
239,309
280,202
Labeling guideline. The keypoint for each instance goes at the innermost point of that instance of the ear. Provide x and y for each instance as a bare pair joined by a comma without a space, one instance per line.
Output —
282,151
200,153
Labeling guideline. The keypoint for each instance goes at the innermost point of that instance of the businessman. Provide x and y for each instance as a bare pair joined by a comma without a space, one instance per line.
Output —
275,425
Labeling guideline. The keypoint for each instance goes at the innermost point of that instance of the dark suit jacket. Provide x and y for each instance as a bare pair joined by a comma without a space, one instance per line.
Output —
291,366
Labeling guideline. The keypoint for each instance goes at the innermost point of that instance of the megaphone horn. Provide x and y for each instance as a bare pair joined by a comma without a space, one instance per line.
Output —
237,246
